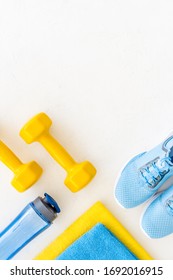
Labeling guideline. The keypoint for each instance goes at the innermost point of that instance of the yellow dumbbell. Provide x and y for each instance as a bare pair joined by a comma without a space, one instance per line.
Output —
25,174
78,174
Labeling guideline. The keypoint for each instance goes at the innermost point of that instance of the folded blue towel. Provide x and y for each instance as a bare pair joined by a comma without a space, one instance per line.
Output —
97,244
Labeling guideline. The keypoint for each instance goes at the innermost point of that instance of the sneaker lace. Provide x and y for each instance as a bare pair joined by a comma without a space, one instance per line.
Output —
154,171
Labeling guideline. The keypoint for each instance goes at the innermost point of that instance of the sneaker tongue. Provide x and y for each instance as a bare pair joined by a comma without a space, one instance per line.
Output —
168,146
171,154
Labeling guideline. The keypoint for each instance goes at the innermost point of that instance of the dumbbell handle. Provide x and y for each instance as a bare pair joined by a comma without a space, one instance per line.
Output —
9,158
57,151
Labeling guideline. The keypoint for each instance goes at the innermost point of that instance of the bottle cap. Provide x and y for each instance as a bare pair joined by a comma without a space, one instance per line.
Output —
46,207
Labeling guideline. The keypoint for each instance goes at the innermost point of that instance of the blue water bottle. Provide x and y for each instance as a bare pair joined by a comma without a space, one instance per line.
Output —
35,218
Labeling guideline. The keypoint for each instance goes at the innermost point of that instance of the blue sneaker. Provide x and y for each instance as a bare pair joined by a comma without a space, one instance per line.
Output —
145,174
157,220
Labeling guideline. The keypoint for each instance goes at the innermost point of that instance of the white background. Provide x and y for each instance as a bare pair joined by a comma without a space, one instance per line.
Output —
103,71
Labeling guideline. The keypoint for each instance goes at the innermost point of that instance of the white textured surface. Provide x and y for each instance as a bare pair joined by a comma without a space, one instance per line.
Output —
103,71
